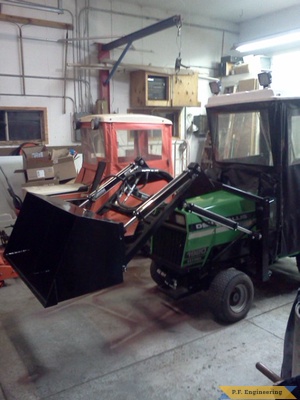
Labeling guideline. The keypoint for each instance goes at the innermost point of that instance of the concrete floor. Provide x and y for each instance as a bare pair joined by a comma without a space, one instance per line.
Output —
134,342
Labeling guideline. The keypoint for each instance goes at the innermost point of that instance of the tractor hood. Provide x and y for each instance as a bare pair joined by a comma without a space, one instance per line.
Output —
187,240
224,203
232,206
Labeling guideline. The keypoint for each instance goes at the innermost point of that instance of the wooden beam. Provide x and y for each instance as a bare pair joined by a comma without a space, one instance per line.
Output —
34,21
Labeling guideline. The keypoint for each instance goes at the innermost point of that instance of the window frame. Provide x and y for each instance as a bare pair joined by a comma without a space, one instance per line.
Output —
255,128
43,121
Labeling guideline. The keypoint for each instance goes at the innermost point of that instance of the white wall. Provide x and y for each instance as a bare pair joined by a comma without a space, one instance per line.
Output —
201,43
44,57
43,66
285,60
271,24
201,48
285,73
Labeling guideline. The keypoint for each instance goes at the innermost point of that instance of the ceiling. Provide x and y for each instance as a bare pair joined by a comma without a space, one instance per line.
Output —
235,11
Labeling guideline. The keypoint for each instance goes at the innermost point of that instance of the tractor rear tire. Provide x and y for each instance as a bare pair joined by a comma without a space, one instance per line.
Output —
231,295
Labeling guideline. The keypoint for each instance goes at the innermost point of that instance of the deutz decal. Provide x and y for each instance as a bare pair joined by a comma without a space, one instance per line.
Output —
208,224
201,225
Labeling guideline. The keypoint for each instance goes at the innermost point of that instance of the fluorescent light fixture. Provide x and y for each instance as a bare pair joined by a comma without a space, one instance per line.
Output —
268,42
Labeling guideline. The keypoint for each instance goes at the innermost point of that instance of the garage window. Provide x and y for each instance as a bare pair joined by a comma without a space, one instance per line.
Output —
19,125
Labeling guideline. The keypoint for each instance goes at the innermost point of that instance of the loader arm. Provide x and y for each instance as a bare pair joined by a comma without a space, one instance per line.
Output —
219,219
111,181
155,210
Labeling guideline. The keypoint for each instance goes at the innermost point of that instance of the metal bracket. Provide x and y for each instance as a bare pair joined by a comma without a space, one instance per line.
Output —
128,39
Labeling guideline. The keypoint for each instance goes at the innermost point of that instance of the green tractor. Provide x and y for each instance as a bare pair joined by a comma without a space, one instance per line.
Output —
195,251
216,227
254,170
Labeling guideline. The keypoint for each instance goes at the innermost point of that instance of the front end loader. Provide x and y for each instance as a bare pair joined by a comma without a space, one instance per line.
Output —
218,229
62,250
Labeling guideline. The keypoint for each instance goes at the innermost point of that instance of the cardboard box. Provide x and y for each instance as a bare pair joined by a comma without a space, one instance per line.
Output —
226,68
36,160
58,153
241,69
40,173
248,84
39,162
42,165
64,168
35,152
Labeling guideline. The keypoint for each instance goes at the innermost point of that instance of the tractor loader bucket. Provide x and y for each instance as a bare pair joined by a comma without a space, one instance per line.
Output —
62,251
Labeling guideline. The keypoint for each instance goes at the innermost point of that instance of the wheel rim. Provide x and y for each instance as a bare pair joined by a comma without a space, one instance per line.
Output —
239,298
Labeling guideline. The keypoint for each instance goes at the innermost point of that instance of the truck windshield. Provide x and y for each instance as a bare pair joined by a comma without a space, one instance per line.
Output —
242,137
